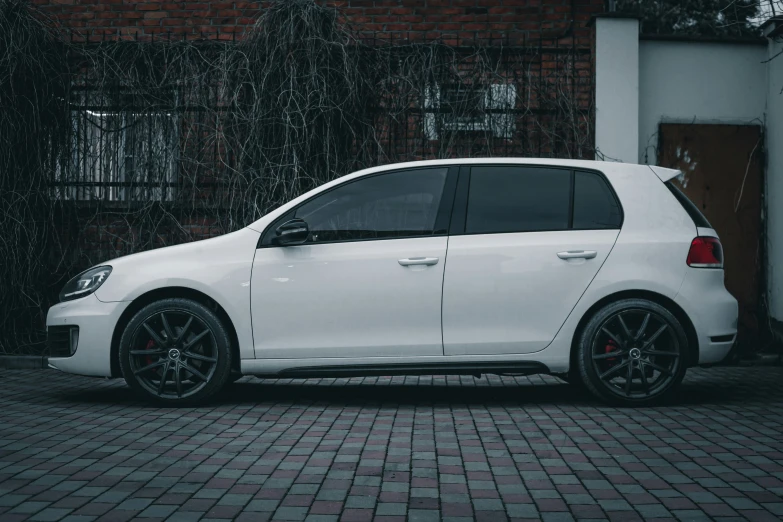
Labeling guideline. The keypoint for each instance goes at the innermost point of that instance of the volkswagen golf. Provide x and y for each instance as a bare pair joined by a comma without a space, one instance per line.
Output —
602,273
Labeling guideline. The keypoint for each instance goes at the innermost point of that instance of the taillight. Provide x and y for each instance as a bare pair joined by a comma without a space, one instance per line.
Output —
705,252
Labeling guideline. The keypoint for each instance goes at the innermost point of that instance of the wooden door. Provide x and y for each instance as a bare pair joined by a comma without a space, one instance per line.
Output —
722,175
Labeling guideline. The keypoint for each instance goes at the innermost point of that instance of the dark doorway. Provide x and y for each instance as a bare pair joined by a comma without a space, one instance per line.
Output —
722,174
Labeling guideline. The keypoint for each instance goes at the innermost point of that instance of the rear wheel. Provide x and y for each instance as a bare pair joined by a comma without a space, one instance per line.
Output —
632,353
175,351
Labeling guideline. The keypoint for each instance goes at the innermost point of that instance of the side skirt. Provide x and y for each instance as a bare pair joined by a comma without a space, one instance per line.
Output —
423,368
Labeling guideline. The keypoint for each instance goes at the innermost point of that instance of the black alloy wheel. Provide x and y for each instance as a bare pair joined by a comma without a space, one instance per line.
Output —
633,352
175,351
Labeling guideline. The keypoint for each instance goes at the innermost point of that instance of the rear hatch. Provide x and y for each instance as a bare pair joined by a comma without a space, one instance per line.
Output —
703,227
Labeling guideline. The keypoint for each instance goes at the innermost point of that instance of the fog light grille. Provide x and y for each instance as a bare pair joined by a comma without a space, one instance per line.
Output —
62,341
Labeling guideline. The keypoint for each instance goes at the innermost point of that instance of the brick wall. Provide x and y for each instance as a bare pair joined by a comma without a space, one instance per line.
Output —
415,19
563,23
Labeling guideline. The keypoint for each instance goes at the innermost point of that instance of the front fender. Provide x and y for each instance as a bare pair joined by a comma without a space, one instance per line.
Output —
219,268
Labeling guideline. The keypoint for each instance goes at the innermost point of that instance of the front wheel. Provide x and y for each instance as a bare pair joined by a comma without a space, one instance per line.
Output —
175,351
632,353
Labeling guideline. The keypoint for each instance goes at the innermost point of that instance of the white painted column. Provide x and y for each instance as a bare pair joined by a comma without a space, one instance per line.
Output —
774,174
617,89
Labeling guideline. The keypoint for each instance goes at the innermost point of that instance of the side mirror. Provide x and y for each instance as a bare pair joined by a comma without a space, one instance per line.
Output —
293,232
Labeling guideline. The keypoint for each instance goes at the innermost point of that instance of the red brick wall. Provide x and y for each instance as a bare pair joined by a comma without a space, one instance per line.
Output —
405,18
559,22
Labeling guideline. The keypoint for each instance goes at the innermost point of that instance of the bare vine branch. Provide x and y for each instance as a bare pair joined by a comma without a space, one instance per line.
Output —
121,146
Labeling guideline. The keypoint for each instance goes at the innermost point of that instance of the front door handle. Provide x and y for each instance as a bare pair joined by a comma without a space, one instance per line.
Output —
418,261
577,254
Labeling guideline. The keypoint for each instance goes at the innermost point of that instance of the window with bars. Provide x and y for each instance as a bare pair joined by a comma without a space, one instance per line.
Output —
482,108
120,155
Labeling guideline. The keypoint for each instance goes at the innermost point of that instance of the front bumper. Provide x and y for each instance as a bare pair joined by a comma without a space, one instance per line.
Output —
713,311
96,321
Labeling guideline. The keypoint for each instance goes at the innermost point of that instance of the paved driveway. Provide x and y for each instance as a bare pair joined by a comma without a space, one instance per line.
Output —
84,449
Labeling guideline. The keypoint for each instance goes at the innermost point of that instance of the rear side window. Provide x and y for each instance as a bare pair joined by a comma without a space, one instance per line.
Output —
692,210
517,199
595,206
504,199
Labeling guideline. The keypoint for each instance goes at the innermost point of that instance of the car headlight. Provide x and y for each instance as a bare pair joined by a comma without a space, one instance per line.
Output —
85,283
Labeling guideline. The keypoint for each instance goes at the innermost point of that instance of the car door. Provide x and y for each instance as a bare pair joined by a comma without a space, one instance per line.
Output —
525,244
368,280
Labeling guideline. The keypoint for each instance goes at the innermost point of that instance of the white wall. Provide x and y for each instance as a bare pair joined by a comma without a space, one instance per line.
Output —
617,88
774,176
686,81
655,81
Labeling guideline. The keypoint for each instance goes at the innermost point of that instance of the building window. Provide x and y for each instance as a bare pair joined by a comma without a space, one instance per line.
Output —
485,108
120,155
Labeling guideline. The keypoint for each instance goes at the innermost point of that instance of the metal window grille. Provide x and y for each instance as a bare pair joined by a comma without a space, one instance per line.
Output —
470,108
120,155
484,98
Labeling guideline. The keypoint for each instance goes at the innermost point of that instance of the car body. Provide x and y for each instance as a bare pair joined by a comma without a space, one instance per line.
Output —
449,280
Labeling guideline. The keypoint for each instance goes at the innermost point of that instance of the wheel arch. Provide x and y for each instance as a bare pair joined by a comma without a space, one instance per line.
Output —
669,304
167,293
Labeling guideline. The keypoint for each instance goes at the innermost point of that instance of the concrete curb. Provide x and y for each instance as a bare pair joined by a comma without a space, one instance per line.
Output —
23,362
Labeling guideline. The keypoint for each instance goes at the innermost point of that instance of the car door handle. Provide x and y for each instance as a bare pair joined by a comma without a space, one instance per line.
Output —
418,261
577,254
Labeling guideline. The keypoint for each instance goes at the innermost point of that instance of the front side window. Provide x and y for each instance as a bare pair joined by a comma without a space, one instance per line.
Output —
394,205
517,199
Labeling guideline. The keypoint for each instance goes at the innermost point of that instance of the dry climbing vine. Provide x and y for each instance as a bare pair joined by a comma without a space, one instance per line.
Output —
123,145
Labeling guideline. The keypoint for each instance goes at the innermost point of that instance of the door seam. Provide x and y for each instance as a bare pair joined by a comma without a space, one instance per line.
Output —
442,286
250,303
589,284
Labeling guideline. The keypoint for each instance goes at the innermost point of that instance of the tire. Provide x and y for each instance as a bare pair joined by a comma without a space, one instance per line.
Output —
632,352
574,379
181,340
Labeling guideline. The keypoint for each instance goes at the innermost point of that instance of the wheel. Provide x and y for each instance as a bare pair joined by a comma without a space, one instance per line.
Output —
632,353
175,351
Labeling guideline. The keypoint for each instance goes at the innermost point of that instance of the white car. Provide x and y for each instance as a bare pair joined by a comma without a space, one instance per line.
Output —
602,273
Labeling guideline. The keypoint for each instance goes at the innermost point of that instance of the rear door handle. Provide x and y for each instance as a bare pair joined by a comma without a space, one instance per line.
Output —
577,254
409,261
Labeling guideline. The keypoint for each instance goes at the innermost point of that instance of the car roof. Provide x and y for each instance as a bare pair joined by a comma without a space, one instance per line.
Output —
663,173
470,161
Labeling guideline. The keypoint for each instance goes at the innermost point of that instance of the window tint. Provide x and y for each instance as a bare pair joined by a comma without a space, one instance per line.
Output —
398,204
693,211
517,199
594,204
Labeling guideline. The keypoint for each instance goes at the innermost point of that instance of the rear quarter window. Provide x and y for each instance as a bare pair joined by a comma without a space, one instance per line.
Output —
692,210
595,206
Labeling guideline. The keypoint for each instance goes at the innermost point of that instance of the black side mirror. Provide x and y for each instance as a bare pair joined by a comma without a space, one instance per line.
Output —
293,232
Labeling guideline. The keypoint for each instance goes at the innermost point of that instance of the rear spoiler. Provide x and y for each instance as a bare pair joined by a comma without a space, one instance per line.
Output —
663,173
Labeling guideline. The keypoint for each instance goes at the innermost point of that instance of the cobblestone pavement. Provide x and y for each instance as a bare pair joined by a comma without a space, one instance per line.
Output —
497,448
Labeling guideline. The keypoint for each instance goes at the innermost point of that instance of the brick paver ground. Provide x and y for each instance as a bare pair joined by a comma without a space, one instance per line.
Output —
420,449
